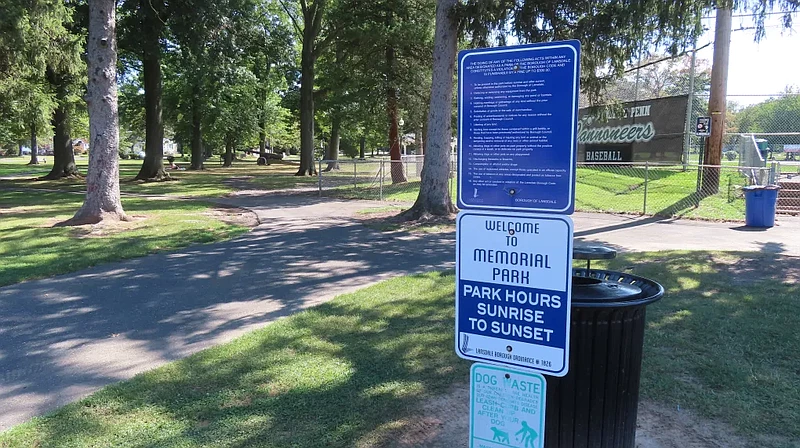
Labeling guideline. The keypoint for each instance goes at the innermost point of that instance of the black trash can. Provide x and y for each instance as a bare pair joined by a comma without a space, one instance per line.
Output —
595,404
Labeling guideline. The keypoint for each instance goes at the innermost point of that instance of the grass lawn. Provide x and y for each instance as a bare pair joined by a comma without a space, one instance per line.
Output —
670,192
213,182
615,189
722,342
17,166
31,248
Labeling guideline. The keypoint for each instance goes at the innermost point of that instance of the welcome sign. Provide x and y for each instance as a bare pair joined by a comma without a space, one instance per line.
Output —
646,130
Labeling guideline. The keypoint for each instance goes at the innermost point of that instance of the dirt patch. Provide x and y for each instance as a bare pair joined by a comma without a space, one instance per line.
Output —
386,221
443,422
662,427
234,216
228,215
101,229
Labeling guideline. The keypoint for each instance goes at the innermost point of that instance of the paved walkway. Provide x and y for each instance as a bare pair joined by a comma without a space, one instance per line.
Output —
635,233
64,337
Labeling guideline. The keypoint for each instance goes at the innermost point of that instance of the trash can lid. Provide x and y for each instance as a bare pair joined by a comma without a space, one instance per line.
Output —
598,288
593,291
592,252
761,187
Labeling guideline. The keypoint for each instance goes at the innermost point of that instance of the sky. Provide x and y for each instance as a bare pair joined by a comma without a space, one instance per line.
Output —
762,68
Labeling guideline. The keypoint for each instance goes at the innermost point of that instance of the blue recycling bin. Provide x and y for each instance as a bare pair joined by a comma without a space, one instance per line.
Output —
760,203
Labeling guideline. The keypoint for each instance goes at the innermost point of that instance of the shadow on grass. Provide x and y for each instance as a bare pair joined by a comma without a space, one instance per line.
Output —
324,378
723,342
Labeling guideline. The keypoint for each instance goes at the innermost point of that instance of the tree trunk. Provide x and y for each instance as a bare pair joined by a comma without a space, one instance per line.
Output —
34,146
397,169
434,194
333,145
419,137
262,141
362,144
307,104
197,132
102,180
228,152
153,165
63,154
19,149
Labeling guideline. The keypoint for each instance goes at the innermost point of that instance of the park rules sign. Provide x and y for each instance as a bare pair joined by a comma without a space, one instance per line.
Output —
513,288
517,133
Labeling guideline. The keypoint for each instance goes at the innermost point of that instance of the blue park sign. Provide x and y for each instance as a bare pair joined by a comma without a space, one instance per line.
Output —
513,289
517,127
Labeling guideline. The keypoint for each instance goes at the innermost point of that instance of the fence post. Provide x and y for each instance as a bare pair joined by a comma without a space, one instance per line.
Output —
773,171
319,178
646,179
449,179
729,190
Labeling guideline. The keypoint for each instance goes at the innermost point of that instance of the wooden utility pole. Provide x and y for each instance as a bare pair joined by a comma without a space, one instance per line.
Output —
718,99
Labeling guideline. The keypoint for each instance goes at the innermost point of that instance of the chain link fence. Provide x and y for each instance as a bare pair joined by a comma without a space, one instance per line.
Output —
667,190
670,190
375,179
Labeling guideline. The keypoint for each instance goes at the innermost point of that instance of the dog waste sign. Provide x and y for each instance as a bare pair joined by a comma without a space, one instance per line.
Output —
506,408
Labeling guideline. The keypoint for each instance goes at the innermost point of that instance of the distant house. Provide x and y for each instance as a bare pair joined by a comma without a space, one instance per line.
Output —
80,146
170,147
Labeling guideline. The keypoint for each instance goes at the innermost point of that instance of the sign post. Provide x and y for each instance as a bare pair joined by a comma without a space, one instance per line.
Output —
517,154
702,129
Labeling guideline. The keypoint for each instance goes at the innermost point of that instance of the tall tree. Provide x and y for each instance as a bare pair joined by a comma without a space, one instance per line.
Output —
151,18
40,47
313,44
66,75
391,38
102,201
270,55
434,195
207,35
63,153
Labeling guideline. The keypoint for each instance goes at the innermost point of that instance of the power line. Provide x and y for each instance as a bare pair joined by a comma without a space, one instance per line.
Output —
773,13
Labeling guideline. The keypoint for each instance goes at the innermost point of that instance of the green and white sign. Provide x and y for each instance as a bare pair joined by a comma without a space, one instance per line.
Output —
506,408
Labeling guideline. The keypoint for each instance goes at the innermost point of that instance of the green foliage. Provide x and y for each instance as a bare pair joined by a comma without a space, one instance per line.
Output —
229,61
612,33
40,64
781,114
355,74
